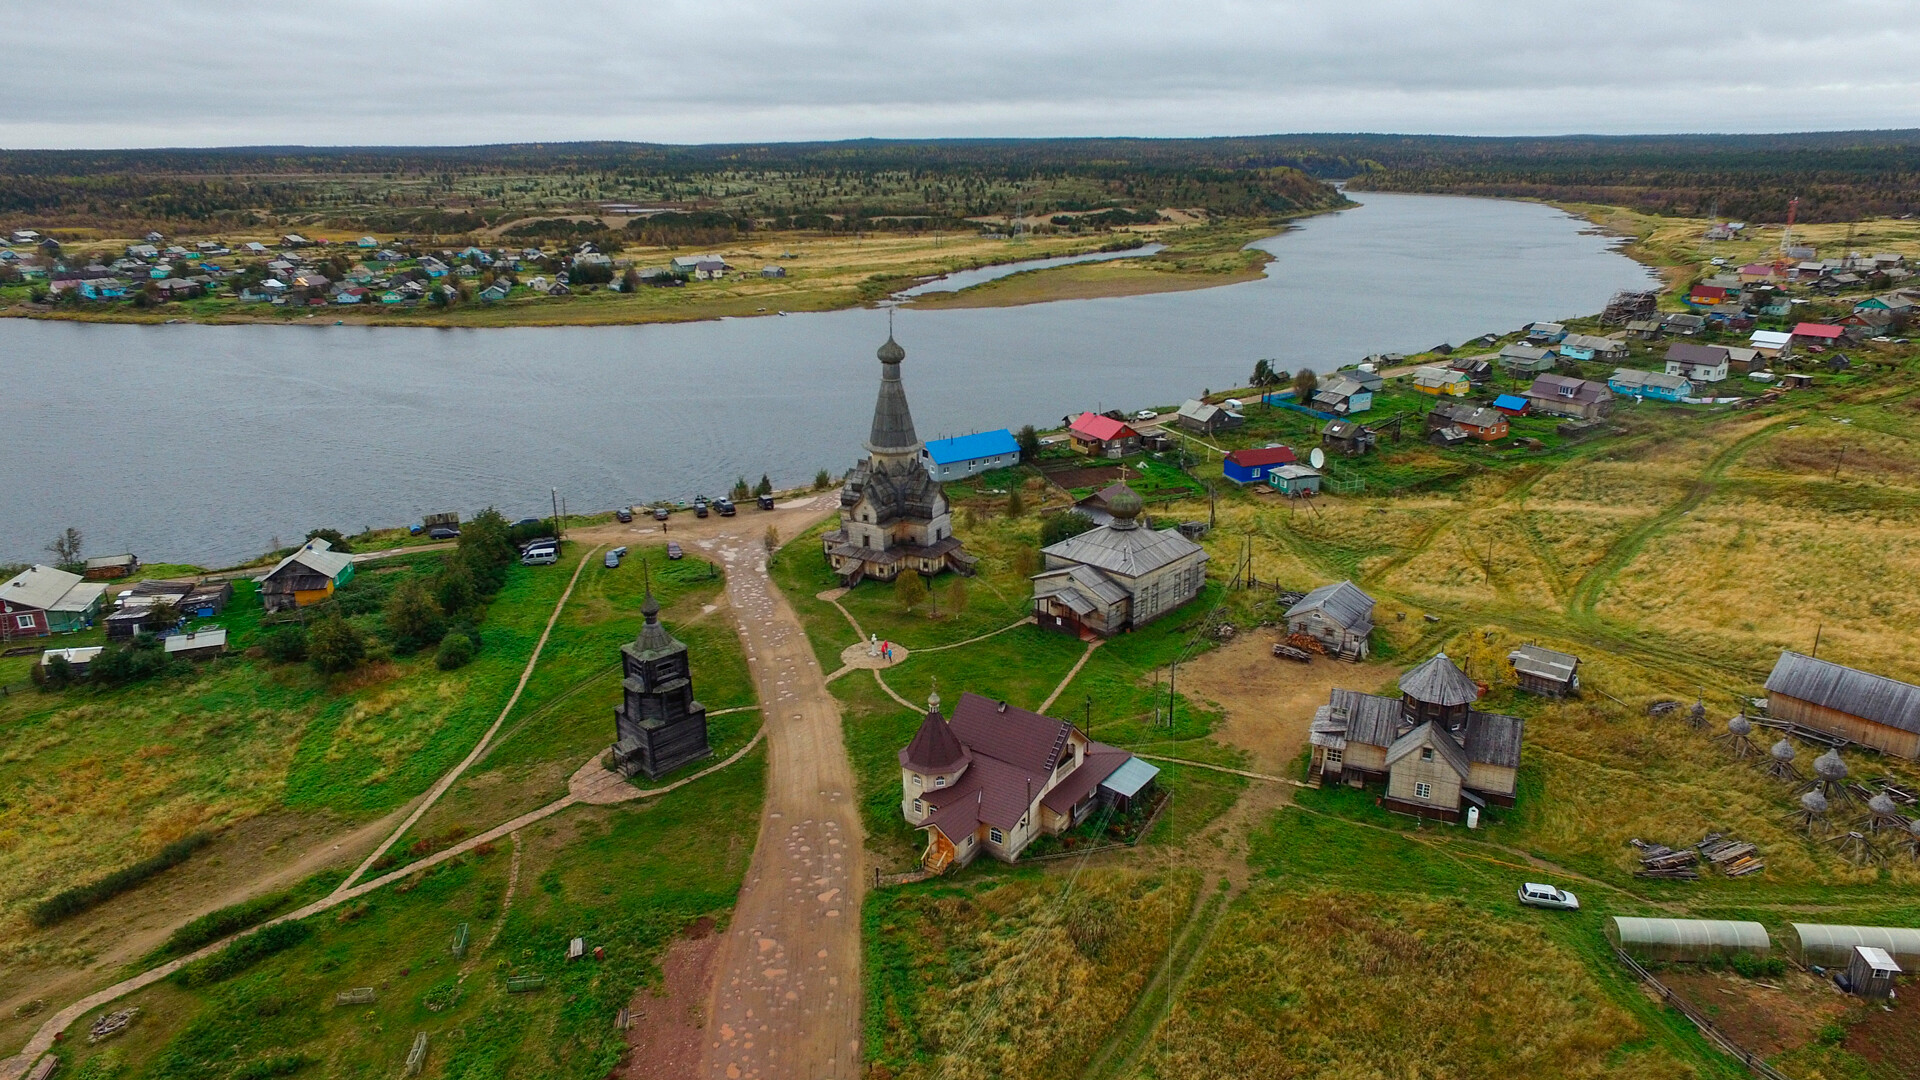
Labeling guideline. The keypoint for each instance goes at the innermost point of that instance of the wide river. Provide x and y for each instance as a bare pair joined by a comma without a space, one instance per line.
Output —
207,443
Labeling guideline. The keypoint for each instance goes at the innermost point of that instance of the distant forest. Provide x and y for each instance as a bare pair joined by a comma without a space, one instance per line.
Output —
937,183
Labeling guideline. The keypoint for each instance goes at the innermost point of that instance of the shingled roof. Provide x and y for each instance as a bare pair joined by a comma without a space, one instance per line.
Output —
1439,682
1342,602
1843,689
935,748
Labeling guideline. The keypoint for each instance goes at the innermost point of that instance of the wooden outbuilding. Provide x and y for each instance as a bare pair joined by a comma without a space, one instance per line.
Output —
1868,709
307,576
1871,972
1544,671
107,567
1348,438
1339,616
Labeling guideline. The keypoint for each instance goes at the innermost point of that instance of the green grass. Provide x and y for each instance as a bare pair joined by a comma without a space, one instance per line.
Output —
625,878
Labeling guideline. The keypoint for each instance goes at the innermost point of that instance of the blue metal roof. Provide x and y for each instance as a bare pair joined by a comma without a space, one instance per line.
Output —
970,447
1509,401
1127,780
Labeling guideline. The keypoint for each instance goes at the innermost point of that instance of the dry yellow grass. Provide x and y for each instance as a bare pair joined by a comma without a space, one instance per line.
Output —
1351,986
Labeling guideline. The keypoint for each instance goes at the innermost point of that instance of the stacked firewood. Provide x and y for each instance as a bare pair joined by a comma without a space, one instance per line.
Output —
1661,861
1730,855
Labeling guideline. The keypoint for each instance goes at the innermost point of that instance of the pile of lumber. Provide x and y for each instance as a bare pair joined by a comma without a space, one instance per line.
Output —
1735,858
111,1024
1307,643
1730,855
1661,861
1290,653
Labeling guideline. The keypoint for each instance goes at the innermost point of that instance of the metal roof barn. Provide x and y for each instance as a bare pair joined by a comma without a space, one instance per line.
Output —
1686,941
1831,946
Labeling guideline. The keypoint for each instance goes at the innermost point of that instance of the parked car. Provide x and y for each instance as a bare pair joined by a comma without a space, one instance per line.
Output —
1145,414
526,521
673,550
765,501
613,557
623,515
540,556
1537,895
443,532
539,542
725,506
660,513
700,509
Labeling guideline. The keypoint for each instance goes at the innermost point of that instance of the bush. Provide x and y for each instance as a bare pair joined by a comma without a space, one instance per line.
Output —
331,536
1754,967
243,954
142,658
741,492
413,616
288,645
909,590
454,590
334,645
81,897
225,922
1016,503
1063,526
1029,441
456,651
822,480
56,674
765,486
273,1065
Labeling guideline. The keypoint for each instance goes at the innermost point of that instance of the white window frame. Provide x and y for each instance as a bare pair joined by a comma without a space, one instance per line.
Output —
917,807
1426,753
939,781
1336,756
24,622
996,836
917,781
1422,790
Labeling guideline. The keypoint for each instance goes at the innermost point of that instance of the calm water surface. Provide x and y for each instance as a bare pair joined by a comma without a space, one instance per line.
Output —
205,443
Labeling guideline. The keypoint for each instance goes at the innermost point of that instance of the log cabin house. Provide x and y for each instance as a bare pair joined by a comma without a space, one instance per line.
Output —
307,576
1338,616
1436,754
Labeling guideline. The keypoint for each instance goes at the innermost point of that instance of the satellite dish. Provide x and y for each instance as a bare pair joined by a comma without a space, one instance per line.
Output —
1318,458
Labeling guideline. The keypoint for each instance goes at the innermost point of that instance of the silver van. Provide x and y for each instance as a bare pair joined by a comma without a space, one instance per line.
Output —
539,556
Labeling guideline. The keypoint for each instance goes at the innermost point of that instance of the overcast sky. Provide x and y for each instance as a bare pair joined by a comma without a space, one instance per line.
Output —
198,73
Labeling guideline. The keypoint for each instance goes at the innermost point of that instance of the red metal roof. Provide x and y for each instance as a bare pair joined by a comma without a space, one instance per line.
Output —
1266,455
1816,330
1094,426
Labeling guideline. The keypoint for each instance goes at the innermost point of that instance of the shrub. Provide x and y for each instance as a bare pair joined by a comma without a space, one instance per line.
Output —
142,658
1016,503
273,1065
454,589
741,492
288,645
957,596
81,897
1063,526
822,480
1753,967
225,922
413,616
56,674
765,486
334,645
331,536
456,651
1029,441
243,954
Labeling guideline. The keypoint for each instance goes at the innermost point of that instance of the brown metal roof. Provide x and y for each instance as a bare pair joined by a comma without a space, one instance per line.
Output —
935,748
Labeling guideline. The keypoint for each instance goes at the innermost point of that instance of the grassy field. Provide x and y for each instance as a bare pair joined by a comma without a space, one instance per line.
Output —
273,759
628,879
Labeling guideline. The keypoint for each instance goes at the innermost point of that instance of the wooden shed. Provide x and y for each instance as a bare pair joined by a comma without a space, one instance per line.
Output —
1545,671
1868,709
1870,972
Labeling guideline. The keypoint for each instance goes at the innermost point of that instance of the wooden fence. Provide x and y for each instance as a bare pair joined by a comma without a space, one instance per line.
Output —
1719,1038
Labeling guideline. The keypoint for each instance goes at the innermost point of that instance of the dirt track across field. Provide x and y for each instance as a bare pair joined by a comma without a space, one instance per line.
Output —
786,992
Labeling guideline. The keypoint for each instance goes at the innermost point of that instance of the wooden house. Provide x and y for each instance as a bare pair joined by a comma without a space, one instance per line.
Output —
1118,576
1546,333
308,576
993,778
107,567
1295,479
1477,369
1441,381
1517,358
1593,347
1348,438
1868,709
1771,344
1103,436
1202,418
1436,754
42,600
1697,363
1563,395
1645,329
1478,421
1657,385
1807,333
1342,396
1250,466
1512,404
1686,325
1338,616
1544,671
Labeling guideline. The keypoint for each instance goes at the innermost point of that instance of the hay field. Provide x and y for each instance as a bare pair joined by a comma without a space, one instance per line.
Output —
1340,983
961,975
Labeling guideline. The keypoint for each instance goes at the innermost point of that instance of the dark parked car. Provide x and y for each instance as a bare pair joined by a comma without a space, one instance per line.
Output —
700,508
766,502
443,532
725,506
526,521
673,550
660,513
623,515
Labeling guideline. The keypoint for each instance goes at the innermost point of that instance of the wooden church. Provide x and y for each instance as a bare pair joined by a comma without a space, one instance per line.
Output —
659,725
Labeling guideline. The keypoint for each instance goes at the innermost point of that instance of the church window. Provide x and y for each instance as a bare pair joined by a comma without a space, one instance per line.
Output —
939,781
917,781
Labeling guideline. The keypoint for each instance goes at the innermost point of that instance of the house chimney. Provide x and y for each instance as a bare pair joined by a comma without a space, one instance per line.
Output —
1002,707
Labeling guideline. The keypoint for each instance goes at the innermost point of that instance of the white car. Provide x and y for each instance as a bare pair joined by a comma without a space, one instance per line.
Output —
1145,414
1538,895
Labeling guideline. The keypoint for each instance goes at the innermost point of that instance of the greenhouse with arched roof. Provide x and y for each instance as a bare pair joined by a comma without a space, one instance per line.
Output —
1686,941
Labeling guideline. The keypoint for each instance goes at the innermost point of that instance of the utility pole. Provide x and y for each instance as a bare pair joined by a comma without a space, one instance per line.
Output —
554,493
1171,668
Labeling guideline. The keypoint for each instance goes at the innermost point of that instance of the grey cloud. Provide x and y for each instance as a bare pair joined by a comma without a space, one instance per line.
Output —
432,71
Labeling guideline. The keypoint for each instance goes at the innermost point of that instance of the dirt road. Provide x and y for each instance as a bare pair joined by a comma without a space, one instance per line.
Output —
786,993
